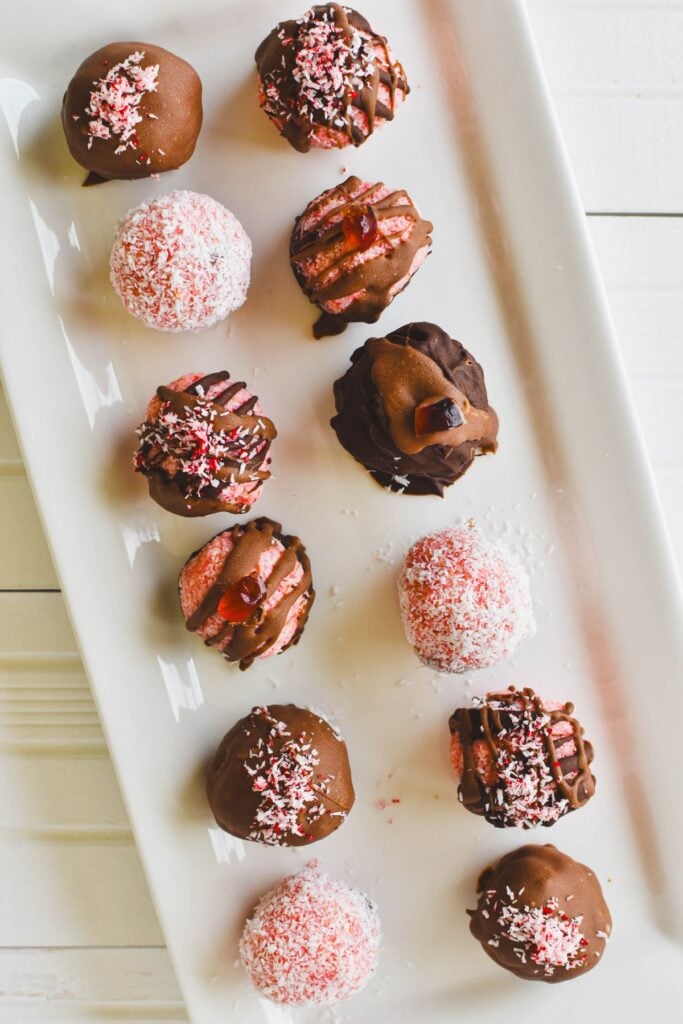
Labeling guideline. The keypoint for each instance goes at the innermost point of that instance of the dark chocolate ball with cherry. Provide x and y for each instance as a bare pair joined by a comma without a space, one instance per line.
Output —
248,591
413,409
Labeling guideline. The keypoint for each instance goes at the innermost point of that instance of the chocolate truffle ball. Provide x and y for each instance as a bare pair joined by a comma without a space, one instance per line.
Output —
132,110
521,761
327,80
281,776
248,592
465,600
181,262
541,915
354,248
205,446
311,941
413,409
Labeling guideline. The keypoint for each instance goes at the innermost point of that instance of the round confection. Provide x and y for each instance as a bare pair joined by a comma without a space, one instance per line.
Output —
248,592
282,777
521,761
541,915
132,110
465,601
354,248
312,940
181,262
327,80
413,409
205,446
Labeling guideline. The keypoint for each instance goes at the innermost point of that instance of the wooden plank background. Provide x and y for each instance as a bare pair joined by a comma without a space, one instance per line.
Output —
79,940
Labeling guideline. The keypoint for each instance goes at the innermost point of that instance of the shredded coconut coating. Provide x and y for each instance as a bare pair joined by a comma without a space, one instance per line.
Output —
115,100
465,601
312,940
287,781
543,935
181,262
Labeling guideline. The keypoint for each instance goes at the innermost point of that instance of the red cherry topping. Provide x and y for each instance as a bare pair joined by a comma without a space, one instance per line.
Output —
360,226
240,601
435,415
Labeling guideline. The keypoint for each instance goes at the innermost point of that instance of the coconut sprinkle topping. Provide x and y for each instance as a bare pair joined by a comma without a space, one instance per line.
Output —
192,449
312,940
329,66
285,777
465,601
115,101
543,935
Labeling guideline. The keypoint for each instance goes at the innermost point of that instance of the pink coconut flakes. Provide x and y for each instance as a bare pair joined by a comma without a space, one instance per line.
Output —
115,101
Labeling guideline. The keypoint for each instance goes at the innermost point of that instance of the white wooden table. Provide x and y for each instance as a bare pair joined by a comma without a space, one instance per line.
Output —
79,940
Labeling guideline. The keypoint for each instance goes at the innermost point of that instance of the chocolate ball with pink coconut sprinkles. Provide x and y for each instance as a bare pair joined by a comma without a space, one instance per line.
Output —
522,761
311,941
281,776
541,915
248,591
181,262
465,601
354,248
205,446
132,110
327,80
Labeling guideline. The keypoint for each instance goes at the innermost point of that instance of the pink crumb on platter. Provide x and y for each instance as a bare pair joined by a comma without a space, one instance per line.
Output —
202,571
181,262
465,601
312,940
200,469
329,265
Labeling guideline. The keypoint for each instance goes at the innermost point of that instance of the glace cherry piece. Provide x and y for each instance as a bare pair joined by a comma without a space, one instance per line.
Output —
239,602
435,415
360,226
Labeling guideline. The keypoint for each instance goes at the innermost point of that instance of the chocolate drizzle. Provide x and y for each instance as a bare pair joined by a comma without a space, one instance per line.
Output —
363,66
376,401
340,274
512,725
239,439
251,639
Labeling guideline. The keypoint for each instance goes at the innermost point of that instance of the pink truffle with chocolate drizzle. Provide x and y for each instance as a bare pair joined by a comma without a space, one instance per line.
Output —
521,761
327,80
181,262
205,446
354,248
311,941
248,591
465,601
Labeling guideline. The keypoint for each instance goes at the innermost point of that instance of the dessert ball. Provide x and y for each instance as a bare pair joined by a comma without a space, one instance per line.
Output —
205,446
132,110
541,915
413,409
281,776
521,761
312,940
181,262
354,248
248,592
327,80
465,601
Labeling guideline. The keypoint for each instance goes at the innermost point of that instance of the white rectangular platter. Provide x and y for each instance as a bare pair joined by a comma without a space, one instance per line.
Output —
512,277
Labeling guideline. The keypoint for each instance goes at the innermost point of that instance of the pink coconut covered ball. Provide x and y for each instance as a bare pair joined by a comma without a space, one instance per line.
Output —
248,591
465,601
181,262
327,80
205,445
313,940
354,248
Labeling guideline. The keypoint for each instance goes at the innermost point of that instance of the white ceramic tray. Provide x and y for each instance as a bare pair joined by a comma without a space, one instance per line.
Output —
513,277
